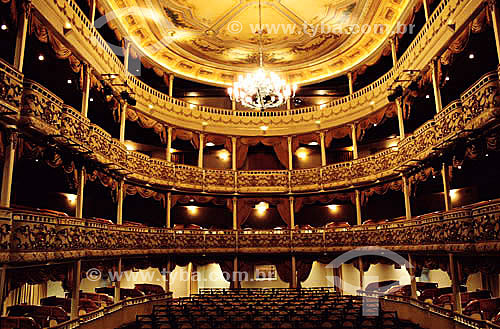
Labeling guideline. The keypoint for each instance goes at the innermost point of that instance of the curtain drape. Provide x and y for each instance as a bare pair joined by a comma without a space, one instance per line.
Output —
279,144
145,193
245,207
186,135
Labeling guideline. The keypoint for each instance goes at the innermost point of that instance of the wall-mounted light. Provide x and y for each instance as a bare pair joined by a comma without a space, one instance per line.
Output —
209,144
454,194
71,198
302,153
333,207
192,209
223,155
313,144
261,207
4,27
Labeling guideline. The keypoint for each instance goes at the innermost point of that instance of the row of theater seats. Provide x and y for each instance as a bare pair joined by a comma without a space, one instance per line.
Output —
477,304
270,308
54,310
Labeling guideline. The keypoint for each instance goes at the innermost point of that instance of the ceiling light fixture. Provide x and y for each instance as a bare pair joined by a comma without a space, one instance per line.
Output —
41,57
4,27
332,207
223,155
302,153
471,56
262,89
209,144
91,99
447,78
427,96
313,144
192,209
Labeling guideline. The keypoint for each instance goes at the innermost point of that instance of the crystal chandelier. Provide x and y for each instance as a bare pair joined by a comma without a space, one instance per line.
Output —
261,89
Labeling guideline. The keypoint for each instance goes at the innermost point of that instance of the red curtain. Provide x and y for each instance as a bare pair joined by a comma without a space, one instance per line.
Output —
279,144
186,135
304,139
245,207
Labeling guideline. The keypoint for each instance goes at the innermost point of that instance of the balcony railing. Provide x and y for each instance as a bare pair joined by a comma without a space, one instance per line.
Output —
32,237
338,112
46,113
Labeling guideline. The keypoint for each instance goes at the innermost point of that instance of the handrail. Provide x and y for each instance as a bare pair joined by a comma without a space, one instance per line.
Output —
100,313
148,95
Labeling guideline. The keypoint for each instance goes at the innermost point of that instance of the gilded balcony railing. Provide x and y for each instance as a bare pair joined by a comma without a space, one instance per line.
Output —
35,237
11,88
45,112
432,37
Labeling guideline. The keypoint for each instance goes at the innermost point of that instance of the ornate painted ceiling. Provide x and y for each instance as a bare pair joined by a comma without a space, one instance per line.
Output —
212,41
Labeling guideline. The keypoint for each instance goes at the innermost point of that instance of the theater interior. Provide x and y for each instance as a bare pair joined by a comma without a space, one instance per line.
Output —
249,164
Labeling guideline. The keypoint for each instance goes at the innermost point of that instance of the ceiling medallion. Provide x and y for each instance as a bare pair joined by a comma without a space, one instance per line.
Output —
261,90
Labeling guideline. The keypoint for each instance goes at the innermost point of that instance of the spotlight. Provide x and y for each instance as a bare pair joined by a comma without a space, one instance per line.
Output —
125,95
41,57
3,27
107,91
413,86
398,92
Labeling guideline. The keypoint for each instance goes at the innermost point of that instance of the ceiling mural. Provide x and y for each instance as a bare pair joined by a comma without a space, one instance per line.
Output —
214,41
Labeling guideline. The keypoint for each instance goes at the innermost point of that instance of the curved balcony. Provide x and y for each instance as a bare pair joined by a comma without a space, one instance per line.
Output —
89,44
28,237
45,113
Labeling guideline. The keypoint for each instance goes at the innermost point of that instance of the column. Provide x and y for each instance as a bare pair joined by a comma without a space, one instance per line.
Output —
406,192
288,105
496,24
400,118
294,273
435,85
233,104
169,143
393,51
354,137
413,279
121,196
8,167
190,275
290,155
426,9
235,213
171,85
123,120
86,89
167,276
446,186
22,29
117,282
455,284
337,277
361,273
233,155
126,54
359,219
292,212
75,291
169,208
235,283
79,193
200,150
323,149
3,286
351,83
92,11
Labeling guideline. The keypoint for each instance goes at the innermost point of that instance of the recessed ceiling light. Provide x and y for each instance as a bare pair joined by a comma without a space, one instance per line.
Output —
210,144
264,128
487,154
91,99
3,27
69,81
332,207
374,124
447,78
313,143
471,56
459,167
41,57
427,96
